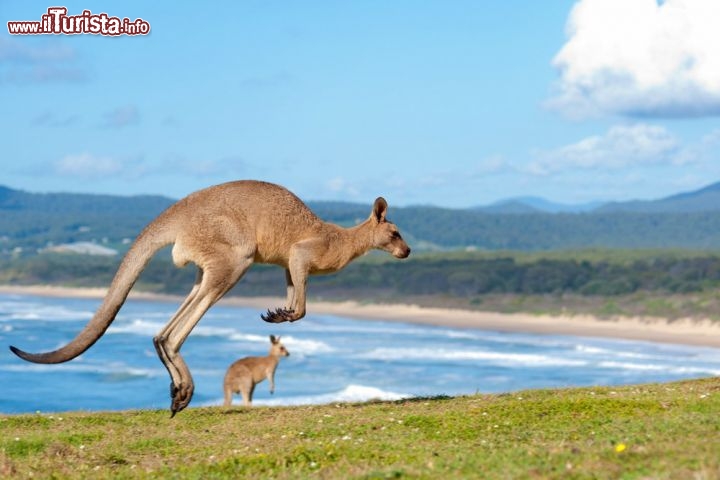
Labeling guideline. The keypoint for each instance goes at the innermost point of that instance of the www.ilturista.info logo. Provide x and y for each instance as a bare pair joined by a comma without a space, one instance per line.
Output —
57,21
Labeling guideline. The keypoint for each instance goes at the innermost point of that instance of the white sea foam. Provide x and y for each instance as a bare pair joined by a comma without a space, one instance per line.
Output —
141,326
650,367
344,325
462,334
441,355
297,346
29,311
591,350
365,328
224,332
302,346
247,337
136,327
351,393
306,346
115,369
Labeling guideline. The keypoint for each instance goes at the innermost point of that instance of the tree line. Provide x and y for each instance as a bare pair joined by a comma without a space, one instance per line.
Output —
434,275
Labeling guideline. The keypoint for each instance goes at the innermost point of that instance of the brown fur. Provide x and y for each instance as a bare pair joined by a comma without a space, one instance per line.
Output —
223,230
244,374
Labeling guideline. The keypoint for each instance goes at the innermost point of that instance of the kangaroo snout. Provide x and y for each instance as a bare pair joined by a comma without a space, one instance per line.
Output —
402,252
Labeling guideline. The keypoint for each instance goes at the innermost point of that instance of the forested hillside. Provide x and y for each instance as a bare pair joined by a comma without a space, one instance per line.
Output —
30,222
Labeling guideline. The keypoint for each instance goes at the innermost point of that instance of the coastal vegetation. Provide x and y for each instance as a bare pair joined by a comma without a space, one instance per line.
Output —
642,431
662,283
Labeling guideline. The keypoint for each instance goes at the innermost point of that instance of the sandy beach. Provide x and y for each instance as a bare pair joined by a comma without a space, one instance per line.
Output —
686,331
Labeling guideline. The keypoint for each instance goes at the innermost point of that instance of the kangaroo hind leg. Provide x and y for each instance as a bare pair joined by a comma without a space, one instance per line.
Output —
228,396
158,341
218,276
247,387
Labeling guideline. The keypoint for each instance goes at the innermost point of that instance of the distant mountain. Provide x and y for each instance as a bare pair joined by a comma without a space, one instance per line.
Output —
536,205
512,206
706,199
80,203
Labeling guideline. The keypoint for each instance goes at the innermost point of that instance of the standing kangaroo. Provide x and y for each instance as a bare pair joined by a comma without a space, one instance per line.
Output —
223,230
244,374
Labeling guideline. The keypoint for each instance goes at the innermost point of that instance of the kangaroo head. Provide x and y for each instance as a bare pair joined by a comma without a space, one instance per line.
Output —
277,349
386,235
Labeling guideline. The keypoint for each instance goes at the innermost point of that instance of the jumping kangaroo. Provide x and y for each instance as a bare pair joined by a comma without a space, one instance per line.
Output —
223,230
244,374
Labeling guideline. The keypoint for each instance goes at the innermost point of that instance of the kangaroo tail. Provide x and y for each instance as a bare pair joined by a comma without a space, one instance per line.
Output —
130,268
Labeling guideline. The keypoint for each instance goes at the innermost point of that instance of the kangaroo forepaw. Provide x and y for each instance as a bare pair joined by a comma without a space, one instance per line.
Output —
279,315
181,396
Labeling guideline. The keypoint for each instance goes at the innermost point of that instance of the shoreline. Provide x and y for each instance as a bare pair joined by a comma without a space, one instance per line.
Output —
684,331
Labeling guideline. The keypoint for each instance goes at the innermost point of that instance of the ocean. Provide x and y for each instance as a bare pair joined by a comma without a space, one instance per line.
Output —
333,359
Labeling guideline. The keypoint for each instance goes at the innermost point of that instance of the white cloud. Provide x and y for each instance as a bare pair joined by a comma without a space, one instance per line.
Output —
494,164
621,146
86,165
339,185
52,61
640,58
221,169
121,117
133,167
705,150
52,119
16,51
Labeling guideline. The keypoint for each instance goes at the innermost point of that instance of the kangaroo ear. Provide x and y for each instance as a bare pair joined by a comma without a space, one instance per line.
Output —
273,340
379,209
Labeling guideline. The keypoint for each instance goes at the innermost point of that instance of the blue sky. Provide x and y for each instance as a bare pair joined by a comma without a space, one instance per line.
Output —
448,103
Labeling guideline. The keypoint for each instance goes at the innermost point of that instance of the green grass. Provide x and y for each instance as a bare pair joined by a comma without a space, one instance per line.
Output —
663,431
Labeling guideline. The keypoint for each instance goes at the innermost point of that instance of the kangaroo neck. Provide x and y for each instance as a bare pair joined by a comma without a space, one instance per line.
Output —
353,242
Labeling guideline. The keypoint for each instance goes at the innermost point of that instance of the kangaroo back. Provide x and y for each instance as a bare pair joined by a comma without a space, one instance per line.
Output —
151,239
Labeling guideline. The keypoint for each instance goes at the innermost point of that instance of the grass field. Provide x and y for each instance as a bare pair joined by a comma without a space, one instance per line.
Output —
663,431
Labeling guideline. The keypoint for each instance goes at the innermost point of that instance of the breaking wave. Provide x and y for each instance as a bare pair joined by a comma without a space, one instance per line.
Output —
350,394
440,355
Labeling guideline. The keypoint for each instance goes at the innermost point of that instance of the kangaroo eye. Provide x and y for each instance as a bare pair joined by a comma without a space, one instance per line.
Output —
396,235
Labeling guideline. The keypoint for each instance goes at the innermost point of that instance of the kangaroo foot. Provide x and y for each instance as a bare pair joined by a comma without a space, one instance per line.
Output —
181,396
279,315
